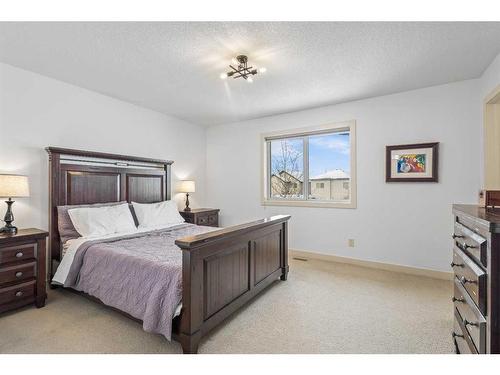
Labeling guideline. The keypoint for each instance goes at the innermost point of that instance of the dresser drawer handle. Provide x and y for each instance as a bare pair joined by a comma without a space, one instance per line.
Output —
456,236
19,255
453,334
464,281
19,274
452,264
19,294
467,323
454,299
466,246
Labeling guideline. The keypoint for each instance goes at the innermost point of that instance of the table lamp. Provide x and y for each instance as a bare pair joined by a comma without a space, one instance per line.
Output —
186,186
12,186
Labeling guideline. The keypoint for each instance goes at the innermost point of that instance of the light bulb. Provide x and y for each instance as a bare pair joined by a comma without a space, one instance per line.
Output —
223,75
262,70
250,79
234,61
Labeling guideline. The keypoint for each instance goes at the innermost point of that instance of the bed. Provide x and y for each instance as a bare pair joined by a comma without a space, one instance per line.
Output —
219,269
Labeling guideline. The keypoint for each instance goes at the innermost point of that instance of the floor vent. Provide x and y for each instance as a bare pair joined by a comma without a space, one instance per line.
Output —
302,259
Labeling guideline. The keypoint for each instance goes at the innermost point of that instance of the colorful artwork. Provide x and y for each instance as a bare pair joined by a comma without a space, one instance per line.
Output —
411,163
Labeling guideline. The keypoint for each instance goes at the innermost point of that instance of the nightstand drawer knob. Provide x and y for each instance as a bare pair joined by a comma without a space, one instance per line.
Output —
19,274
19,294
19,255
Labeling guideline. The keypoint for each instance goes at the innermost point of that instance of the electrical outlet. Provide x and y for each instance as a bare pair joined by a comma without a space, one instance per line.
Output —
350,242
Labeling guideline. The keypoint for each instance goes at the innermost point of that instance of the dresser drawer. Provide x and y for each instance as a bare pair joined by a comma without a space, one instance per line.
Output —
472,320
17,273
471,242
462,340
17,292
17,253
471,276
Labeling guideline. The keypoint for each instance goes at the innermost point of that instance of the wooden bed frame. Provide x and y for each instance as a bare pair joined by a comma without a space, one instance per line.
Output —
221,270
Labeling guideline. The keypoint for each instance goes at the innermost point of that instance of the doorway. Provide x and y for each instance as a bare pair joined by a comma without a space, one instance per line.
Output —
492,140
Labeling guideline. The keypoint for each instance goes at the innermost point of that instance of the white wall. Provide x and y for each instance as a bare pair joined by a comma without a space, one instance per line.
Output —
405,224
36,111
400,223
490,78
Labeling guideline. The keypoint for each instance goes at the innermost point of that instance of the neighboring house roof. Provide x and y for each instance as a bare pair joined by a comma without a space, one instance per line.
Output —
290,176
336,174
278,177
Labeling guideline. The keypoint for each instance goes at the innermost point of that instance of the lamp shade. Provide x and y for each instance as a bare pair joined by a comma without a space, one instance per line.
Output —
14,186
186,186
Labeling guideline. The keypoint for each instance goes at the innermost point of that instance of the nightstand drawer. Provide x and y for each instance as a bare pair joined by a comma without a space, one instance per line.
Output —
17,292
213,219
202,220
23,261
202,216
17,253
17,273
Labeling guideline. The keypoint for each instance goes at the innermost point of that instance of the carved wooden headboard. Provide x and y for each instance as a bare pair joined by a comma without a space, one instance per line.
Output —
84,177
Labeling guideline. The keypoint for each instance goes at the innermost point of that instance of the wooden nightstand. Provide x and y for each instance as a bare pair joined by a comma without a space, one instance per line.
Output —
23,269
202,216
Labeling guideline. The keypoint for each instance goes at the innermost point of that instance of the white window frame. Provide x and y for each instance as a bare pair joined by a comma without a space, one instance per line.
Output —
298,133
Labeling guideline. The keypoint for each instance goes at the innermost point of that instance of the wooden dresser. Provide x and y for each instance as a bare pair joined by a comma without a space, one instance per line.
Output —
23,269
202,216
476,265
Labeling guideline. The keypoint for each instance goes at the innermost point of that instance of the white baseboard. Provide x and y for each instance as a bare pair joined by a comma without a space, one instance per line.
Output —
442,275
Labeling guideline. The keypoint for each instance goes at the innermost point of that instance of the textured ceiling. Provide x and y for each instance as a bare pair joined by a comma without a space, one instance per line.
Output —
174,67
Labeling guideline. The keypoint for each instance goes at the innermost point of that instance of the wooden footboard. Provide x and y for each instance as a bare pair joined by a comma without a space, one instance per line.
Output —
223,270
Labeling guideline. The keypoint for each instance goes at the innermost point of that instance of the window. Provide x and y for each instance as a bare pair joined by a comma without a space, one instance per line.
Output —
310,167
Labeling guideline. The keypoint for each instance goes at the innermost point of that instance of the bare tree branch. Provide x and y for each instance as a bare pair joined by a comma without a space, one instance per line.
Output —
286,166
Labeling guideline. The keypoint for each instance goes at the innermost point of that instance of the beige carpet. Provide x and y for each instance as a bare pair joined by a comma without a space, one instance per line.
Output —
322,308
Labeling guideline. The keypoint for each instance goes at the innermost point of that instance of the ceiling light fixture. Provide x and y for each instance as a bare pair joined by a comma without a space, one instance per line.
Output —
242,70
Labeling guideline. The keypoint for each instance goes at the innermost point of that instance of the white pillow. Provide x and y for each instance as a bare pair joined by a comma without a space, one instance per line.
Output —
157,215
100,221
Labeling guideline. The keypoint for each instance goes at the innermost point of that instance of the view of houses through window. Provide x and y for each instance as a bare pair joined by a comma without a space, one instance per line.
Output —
322,160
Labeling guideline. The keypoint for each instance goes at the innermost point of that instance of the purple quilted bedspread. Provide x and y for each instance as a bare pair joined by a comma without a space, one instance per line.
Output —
140,274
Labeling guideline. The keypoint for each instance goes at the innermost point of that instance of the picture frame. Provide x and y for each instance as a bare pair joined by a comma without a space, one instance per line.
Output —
412,163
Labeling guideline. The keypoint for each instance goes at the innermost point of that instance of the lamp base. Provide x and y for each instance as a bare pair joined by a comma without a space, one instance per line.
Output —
9,218
187,208
8,229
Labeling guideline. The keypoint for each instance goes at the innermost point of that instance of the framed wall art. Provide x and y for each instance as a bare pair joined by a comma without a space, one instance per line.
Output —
412,163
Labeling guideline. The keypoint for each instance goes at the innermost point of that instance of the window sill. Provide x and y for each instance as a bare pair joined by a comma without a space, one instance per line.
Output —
298,203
